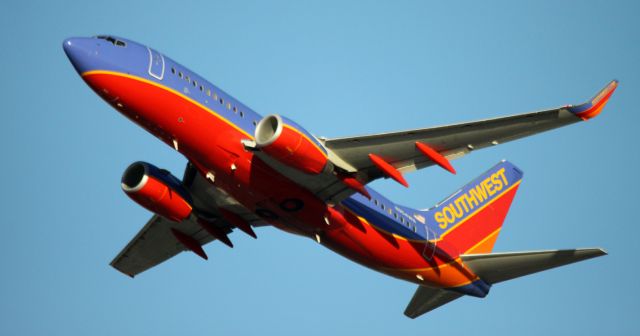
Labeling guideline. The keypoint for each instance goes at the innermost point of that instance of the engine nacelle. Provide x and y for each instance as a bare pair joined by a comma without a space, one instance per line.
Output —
157,191
290,144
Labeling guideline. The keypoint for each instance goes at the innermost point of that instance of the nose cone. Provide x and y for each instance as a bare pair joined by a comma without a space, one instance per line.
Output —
80,51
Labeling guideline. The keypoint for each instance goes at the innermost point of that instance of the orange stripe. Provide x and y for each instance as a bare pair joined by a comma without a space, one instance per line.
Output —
486,244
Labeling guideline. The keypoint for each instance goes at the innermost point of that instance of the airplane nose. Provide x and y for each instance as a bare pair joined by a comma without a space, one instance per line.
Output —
79,50
72,48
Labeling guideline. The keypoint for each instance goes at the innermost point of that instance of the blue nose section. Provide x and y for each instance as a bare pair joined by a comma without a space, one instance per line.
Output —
82,52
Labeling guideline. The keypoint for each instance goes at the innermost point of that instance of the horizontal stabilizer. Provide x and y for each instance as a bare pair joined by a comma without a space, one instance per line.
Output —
427,299
498,267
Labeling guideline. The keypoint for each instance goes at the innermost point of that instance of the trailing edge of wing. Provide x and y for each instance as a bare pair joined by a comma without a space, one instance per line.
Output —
427,299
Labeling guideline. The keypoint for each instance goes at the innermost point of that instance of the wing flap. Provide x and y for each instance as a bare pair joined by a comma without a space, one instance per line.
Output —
499,267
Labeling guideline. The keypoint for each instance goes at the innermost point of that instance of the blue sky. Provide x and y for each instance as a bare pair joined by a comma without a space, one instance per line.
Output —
339,69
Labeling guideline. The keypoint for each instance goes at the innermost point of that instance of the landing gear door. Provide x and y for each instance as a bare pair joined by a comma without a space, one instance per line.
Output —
429,244
156,64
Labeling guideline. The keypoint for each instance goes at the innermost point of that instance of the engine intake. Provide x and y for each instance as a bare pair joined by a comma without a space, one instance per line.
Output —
157,191
290,144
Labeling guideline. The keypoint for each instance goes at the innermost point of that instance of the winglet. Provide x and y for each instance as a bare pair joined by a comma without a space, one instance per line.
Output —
594,106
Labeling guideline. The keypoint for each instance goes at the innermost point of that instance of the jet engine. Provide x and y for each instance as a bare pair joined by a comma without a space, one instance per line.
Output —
157,191
290,144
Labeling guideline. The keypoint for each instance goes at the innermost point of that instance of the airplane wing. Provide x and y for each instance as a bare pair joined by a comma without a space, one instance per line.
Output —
399,149
156,242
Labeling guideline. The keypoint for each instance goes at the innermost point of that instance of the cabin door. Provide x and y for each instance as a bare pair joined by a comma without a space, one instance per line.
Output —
430,244
156,64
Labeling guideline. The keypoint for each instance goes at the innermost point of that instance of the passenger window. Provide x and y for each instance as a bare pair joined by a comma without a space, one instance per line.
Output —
228,106
255,123
215,96
241,114
209,92
235,109
194,83
173,71
221,101
180,74
201,88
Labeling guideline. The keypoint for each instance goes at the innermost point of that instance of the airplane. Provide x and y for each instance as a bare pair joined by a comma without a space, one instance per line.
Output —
246,171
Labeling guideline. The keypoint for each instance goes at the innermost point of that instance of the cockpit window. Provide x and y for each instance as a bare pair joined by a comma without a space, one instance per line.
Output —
112,40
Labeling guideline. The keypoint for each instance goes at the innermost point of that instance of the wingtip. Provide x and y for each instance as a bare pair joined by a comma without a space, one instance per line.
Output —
593,252
594,106
122,271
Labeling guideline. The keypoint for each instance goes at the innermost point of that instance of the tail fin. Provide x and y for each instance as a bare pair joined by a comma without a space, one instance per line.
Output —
470,219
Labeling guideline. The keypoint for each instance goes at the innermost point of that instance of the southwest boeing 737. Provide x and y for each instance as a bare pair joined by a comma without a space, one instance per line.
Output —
246,171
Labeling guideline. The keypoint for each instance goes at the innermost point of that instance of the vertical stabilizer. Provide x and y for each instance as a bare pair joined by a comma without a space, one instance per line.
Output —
470,219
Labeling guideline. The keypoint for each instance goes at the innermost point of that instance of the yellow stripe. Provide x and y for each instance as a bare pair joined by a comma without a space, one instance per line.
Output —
484,240
166,88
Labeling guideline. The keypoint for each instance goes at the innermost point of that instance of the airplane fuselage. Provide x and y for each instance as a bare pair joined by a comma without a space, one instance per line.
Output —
208,127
